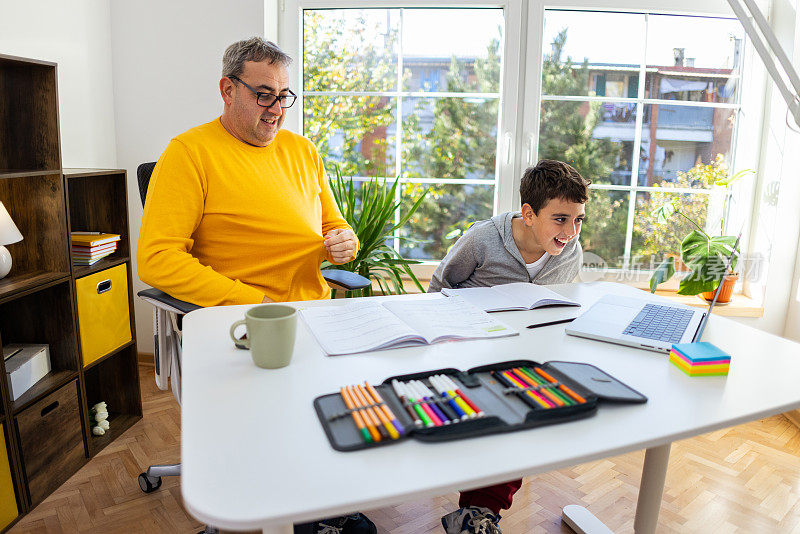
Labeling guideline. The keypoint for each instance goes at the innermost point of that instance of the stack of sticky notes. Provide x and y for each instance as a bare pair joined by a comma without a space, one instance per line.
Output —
700,359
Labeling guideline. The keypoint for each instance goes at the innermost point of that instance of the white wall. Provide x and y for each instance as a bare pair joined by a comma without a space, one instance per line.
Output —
167,60
76,35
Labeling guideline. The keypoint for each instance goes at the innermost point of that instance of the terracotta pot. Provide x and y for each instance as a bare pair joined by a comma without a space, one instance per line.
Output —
726,292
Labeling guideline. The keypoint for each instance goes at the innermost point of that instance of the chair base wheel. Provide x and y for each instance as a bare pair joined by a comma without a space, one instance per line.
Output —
149,484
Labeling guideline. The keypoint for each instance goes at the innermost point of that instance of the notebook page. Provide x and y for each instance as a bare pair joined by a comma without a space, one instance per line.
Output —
450,318
356,327
484,298
529,295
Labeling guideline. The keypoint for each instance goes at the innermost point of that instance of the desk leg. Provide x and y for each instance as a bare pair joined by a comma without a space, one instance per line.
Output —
654,472
651,488
282,529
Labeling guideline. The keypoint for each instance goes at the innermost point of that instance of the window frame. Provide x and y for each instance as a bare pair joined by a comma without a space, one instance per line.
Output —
752,90
518,132
290,36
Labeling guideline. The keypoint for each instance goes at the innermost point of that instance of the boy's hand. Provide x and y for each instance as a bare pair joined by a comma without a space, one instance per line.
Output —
341,245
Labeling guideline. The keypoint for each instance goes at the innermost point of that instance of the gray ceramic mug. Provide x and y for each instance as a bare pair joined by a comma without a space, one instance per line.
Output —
270,334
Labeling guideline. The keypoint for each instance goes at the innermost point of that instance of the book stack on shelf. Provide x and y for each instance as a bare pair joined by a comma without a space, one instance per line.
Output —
90,247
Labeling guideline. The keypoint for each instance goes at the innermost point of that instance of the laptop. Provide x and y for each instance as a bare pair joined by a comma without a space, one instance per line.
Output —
644,324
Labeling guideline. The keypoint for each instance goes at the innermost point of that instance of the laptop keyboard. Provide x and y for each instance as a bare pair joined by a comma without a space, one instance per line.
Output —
661,323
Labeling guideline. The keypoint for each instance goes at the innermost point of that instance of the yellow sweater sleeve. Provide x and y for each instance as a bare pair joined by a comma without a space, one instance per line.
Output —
173,210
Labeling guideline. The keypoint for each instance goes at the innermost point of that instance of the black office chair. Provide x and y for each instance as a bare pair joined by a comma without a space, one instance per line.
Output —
168,313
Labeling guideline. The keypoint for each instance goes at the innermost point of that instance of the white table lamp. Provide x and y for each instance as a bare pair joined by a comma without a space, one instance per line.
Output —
9,233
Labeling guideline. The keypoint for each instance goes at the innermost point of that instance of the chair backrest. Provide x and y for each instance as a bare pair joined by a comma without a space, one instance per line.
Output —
143,173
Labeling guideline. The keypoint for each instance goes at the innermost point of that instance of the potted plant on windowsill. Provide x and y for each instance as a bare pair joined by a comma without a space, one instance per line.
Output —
369,210
706,256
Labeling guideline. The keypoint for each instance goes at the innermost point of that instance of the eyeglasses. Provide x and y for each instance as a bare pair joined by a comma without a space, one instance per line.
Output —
267,100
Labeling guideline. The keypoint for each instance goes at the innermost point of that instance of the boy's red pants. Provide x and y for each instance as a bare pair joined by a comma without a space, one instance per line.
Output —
495,498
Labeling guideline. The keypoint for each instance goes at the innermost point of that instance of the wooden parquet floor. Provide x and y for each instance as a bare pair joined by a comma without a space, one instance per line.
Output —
744,479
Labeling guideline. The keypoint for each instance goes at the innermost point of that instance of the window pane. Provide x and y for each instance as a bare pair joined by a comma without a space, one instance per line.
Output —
594,137
449,137
693,58
603,232
357,132
443,216
453,50
581,59
676,138
653,241
350,49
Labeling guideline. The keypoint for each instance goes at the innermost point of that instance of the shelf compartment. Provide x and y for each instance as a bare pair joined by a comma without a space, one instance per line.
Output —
97,203
51,441
29,115
36,205
107,356
106,263
43,316
49,382
13,285
114,380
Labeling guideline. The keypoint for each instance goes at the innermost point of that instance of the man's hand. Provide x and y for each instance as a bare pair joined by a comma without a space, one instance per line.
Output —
341,245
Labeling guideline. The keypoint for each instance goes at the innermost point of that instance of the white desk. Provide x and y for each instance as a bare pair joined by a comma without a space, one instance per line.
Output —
255,456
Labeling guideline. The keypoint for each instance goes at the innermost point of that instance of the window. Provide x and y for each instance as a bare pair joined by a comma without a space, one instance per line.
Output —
640,143
414,93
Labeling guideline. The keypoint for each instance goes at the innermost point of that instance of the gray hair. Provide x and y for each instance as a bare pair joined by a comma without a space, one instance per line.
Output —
253,49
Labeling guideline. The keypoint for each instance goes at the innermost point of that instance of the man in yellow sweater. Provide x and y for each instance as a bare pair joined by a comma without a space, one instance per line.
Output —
239,211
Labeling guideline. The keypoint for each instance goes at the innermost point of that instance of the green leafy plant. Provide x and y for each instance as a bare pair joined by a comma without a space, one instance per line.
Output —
370,210
704,254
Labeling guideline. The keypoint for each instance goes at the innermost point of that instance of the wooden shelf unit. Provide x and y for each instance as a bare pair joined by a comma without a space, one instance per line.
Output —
46,431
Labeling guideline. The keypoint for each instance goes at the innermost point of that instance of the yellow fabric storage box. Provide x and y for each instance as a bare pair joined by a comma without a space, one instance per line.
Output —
103,315
8,502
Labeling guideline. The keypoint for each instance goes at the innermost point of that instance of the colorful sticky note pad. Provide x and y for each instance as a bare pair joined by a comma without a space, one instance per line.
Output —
700,359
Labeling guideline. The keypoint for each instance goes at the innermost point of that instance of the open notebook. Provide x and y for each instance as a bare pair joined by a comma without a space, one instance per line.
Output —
365,325
509,297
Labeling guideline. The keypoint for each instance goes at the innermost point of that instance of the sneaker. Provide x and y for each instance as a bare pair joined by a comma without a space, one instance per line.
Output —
472,520
349,524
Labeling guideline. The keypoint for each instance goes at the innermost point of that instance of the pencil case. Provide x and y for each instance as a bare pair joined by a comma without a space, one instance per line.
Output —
499,390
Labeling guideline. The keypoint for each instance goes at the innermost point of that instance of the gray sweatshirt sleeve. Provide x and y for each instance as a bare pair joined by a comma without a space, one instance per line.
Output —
457,266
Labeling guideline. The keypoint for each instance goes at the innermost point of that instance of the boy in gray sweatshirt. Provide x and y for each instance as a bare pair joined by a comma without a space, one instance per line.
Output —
538,244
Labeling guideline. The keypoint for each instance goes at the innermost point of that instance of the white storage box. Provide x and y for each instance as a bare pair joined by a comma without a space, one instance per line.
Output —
25,365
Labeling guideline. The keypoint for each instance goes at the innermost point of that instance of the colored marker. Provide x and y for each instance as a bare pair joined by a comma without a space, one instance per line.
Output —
464,406
436,382
426,394
471,404
451,389
356,416
386,410
500,377
351,404
368,410
543,391
541,381
443,405
425,405
406,404
563,388
387,423
413,400
532,394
